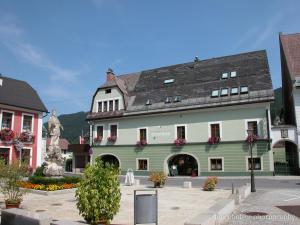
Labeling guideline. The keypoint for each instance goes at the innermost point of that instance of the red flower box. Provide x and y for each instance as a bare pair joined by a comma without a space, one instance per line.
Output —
179,142
26,137
251,138
141,143
112,139
214,140
98,139
7,135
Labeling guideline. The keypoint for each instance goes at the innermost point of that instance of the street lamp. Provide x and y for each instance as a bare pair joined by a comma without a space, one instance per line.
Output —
250,141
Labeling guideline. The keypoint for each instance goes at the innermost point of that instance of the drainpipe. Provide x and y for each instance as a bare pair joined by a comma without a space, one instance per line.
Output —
268,129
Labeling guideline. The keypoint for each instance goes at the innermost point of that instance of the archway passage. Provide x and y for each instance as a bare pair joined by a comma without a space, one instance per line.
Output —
285,155
182,165
111,159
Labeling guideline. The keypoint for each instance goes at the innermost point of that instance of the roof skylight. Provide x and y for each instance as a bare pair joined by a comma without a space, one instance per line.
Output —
244,89
224,75
168,100
224,92
233,74
148,102
234,91
177,98
169,81
215,93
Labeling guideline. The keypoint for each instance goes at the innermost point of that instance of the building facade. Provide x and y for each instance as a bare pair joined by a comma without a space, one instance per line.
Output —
21,113
187,119
288,162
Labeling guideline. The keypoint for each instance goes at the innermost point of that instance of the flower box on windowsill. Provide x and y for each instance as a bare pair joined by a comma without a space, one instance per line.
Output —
251,138
7,135
214,140
98,139
112,139
26,137
179,142
141,143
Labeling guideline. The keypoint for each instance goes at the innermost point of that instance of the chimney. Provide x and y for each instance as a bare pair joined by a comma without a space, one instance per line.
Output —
110,76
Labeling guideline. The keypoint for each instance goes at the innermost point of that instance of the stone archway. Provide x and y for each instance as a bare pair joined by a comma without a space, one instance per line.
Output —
111,159
182,164
285,156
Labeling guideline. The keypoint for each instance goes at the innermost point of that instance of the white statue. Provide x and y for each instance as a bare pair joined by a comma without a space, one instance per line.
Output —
54,160
54,129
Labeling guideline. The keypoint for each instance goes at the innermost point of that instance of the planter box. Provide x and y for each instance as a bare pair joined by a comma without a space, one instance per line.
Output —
40,192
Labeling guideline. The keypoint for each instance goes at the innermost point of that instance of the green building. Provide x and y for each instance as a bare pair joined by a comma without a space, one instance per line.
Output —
189,119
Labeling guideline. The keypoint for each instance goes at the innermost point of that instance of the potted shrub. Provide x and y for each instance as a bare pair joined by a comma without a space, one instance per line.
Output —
158,179
210,184
7,135
11,176
98,194
179,142
112,139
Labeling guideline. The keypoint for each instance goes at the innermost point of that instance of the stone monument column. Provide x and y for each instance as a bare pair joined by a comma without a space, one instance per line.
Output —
54,160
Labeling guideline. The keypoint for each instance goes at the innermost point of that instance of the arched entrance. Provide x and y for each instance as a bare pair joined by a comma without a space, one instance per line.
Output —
285,156
111,159
182,164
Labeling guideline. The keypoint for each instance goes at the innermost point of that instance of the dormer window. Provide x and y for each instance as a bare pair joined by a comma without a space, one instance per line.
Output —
224,75
224,92
244,89
107,91
116,104
109,105
215,93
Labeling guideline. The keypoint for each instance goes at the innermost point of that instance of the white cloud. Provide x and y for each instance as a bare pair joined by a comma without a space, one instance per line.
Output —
11,36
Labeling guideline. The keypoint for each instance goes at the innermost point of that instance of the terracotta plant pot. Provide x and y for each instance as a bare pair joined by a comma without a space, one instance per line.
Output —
102,222
10,205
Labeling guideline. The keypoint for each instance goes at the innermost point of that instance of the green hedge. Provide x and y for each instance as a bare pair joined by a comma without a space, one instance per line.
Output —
48,180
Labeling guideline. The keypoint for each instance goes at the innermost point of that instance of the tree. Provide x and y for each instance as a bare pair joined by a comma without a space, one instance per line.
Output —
98,194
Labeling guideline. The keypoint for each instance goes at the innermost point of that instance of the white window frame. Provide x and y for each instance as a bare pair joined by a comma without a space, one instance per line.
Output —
255,156
137,164
185,128
117,129
220,125
95,130
30,154
32,122
209,164
98,106
12,119
107,100
9,153
257,120
138,134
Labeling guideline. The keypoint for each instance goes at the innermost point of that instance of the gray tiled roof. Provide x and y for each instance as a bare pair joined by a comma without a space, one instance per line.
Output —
19,93
194,82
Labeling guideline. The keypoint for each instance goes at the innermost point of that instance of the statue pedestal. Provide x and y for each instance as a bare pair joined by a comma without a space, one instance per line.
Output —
53,170
54,162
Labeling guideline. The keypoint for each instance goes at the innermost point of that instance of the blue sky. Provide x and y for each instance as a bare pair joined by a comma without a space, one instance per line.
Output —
64,47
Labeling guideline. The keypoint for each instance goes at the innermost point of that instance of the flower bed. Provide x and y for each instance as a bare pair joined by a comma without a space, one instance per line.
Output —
50,187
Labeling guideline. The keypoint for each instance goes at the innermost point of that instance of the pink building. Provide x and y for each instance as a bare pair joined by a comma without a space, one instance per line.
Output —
21,114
